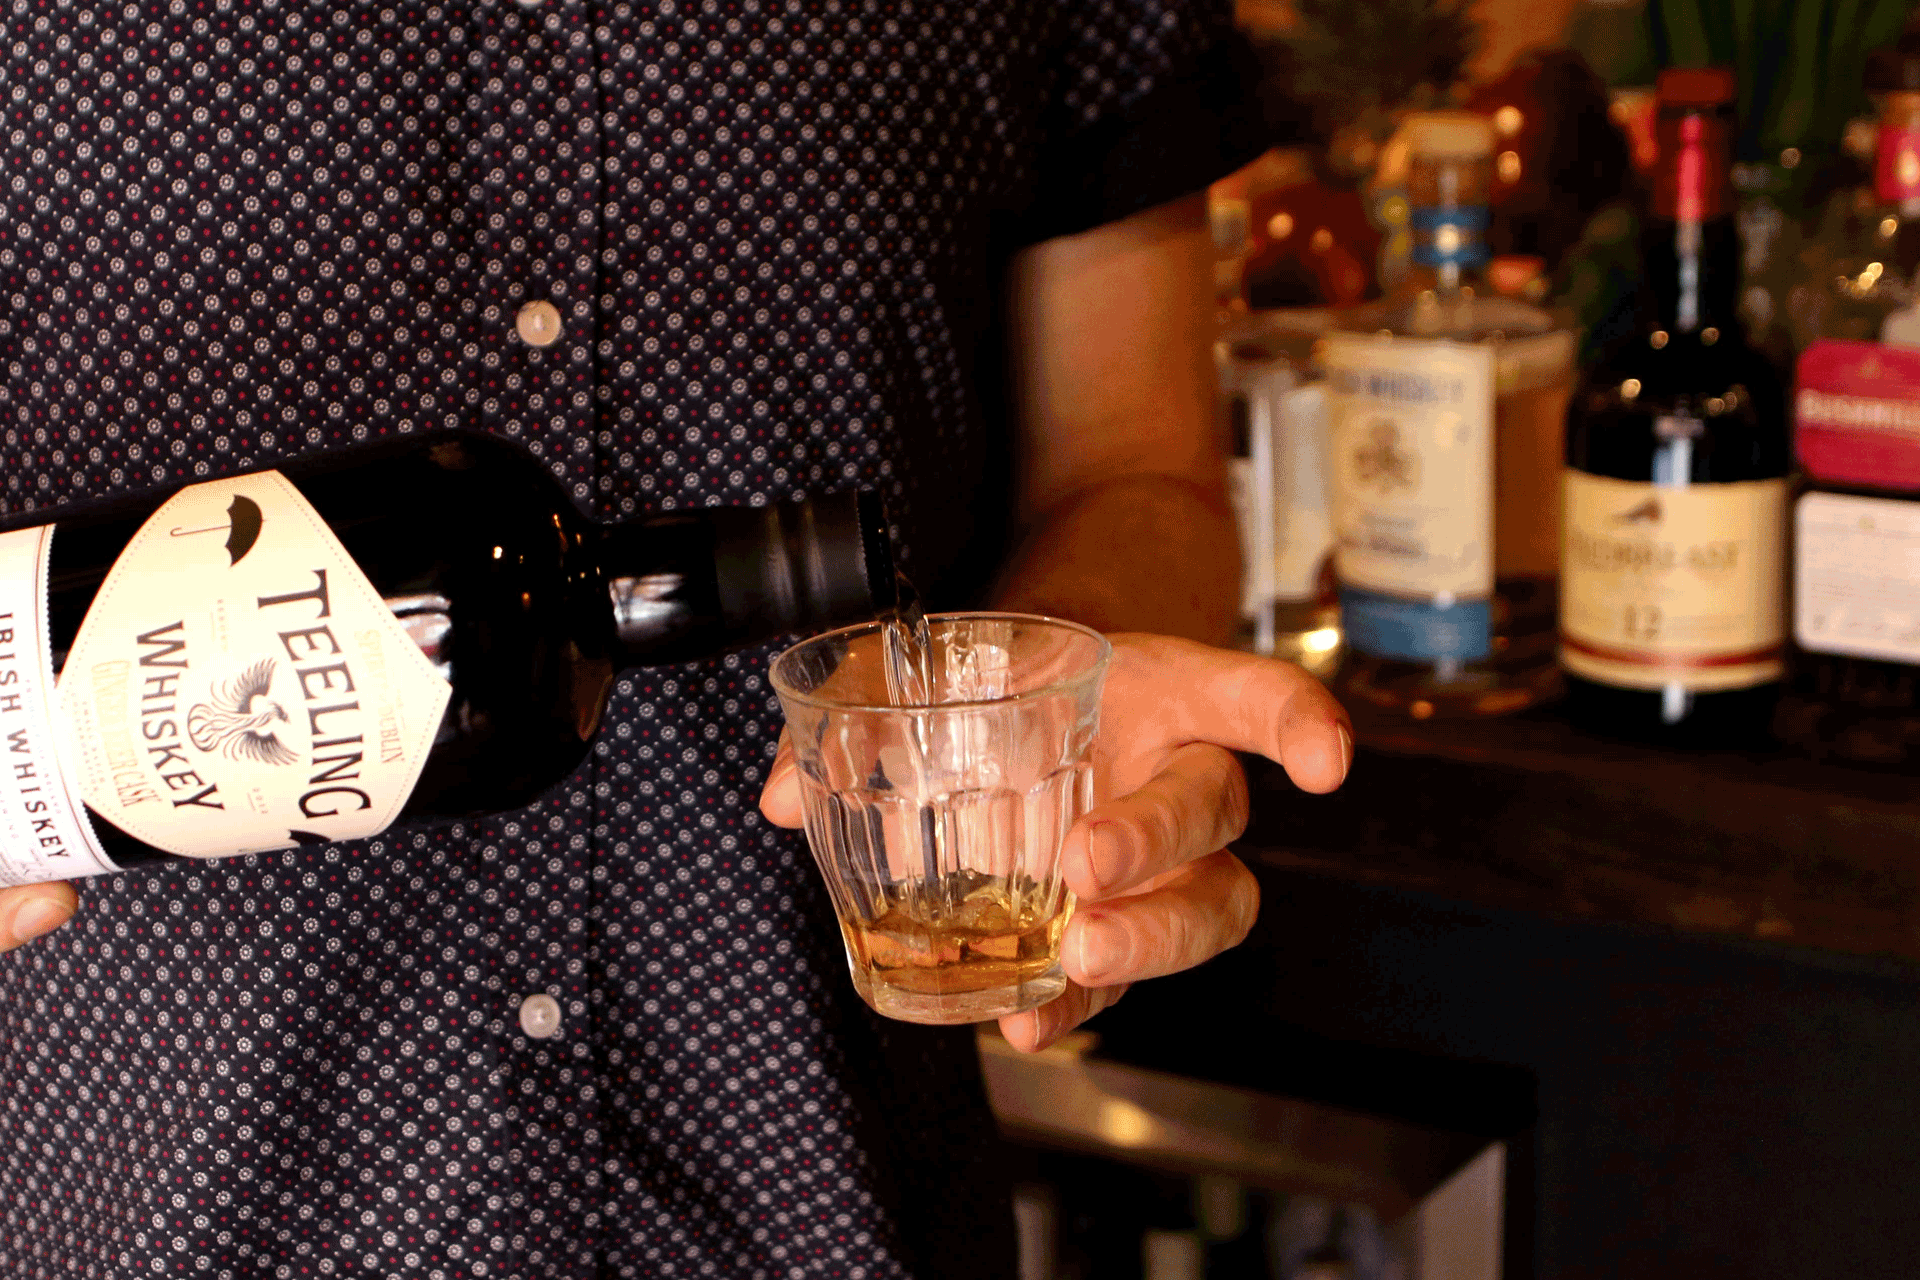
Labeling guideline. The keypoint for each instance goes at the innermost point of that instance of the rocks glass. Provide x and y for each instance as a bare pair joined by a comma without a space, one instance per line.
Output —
939,826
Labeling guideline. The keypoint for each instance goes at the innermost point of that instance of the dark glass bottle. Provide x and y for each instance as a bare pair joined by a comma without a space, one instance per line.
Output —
1672,613
1854,692
523,606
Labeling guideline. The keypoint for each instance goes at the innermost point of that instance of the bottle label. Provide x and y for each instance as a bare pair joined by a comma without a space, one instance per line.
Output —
1256,573
1856,414
1411,430
1673,586
1896,165
1857,576
44,832
238,685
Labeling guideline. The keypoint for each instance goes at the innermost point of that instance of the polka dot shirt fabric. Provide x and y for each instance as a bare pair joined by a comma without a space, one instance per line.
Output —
608,1035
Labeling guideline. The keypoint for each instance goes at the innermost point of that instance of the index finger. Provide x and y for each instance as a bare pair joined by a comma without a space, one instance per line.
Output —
1241,701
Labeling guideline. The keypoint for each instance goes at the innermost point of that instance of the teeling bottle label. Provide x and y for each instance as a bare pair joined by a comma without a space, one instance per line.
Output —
238,684
44,832
1411,432
1662,585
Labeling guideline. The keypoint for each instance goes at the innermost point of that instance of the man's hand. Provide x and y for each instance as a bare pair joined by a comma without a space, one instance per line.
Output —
31,910
1158,891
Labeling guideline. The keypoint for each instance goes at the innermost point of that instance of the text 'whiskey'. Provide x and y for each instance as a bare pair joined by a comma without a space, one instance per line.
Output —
419,629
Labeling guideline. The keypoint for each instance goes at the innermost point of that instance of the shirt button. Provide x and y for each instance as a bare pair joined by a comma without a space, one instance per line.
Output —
540,1016
538,324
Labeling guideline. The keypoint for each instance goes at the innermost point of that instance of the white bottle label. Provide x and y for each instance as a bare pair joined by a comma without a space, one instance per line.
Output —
1243,494
1300,465
238,685
1665,586
1857,576
44,832
1410,424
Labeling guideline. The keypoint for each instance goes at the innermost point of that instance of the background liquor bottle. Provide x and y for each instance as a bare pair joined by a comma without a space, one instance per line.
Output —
1672,615
1856,573
524,607
1445,407
1855,686
1861,263
1277,478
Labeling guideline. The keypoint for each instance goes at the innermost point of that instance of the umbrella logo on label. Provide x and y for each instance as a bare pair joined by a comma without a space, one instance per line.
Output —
242,528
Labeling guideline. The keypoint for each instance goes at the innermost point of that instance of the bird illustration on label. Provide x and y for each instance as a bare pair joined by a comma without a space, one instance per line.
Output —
1647,512
239,721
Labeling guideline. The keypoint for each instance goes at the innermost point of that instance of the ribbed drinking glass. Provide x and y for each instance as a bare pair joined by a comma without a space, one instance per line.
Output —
939,827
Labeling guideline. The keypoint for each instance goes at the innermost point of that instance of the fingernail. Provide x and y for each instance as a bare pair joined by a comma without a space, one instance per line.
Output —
1103,854
1103,951
35,917
1012,1025
1346,749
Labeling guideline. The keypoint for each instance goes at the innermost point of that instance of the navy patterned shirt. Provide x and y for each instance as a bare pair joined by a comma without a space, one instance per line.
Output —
685,252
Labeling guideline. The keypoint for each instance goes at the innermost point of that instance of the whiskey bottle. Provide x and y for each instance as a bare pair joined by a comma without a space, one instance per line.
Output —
416,630
1672,611
1276,478
1851,689
1445,411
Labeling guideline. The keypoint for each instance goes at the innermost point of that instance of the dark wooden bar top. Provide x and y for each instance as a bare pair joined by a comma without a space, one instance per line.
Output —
1683,987
1528,813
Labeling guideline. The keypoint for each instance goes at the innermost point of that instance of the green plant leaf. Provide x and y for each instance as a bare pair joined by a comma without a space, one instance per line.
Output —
1354,54
1687,34
1791,115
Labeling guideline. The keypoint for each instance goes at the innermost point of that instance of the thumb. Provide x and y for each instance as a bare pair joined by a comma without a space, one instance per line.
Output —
30,910
780,798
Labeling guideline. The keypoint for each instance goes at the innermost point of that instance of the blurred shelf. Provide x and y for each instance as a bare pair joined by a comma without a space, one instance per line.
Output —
1065,1097
1529,813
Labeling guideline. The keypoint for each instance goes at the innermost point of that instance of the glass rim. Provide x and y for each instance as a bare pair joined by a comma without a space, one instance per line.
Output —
1096,668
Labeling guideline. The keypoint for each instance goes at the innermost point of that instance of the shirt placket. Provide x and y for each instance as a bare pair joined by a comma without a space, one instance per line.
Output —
534,165
536,184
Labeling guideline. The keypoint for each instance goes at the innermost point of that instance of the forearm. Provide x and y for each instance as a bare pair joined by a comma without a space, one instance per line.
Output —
1123,487
1136,553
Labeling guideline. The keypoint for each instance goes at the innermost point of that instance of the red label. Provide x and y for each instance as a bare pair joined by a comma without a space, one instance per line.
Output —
1856,413
1896,171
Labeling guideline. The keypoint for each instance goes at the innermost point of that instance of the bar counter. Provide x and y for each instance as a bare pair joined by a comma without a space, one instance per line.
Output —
1530,814
1685,988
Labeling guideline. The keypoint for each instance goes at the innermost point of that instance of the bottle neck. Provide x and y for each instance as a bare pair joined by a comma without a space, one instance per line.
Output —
1450,245
1691,251
1449,220
690,584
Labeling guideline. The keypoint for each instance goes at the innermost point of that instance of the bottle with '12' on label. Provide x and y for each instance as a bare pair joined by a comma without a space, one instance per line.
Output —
1672,609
